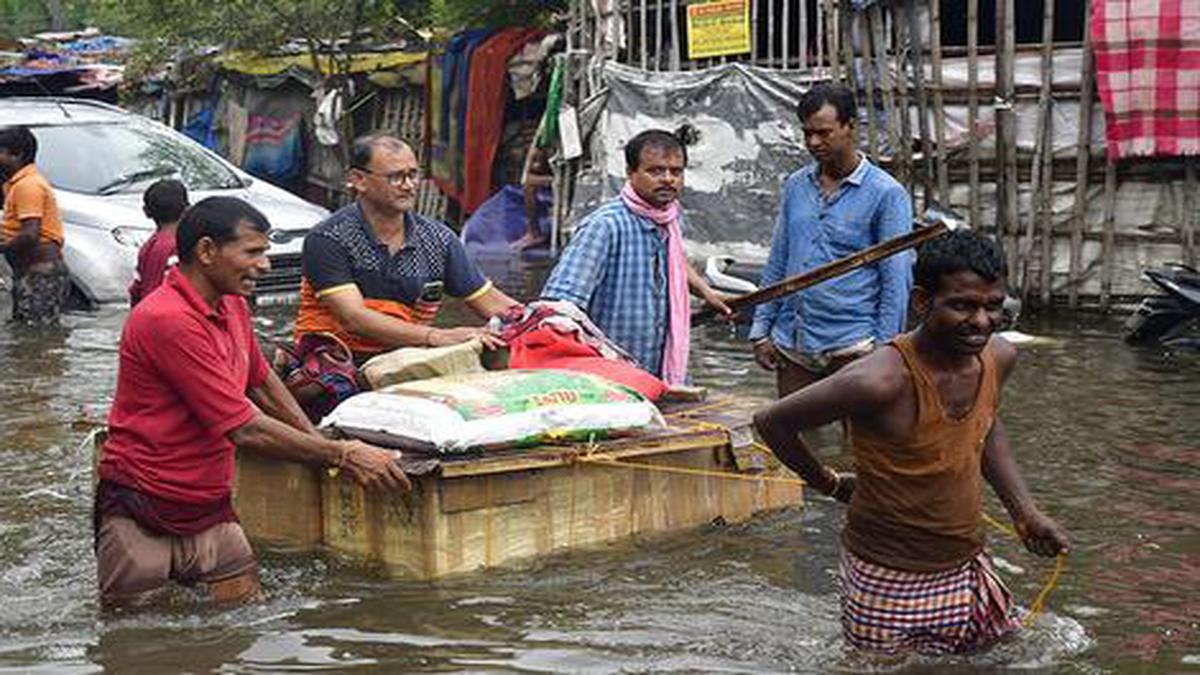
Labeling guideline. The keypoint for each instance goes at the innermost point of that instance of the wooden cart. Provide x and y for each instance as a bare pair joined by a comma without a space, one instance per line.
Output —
472,513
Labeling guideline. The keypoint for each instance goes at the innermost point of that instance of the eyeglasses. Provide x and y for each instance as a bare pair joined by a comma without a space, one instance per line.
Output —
398,178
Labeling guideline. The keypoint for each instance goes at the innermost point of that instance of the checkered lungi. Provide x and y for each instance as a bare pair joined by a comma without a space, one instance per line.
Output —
957,610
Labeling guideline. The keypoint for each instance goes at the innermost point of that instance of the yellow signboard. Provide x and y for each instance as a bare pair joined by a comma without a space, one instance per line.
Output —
718,28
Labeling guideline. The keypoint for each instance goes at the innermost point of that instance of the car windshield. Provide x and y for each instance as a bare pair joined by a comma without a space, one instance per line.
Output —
124,157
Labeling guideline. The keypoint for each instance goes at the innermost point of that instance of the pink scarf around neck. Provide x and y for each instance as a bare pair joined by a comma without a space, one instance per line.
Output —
675,351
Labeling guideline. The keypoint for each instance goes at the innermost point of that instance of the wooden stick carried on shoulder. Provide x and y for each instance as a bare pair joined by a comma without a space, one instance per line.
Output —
921,234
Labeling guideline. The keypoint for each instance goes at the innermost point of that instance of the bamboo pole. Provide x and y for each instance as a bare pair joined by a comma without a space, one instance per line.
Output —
917,48
1047,129
820,65
872,76
852,75
1083,151
645,35
902,50
588,40
1035,185
753,32
834,30
1107,251
1006,136
973,110
1192,198
658,34
885,75
787,30
674,35
939,107
803,38
770,33
629,24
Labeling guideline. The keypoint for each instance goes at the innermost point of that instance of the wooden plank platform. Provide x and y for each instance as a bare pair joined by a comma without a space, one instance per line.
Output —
466,514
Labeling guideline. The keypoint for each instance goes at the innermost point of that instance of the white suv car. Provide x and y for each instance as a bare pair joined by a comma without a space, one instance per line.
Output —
100,158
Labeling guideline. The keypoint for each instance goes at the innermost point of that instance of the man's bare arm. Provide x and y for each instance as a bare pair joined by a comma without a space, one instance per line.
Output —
1038,531
273,398
866,385
492,302
1040,534
700,288
369,465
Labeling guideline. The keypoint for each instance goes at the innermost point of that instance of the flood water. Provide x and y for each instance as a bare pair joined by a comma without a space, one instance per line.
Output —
1106,436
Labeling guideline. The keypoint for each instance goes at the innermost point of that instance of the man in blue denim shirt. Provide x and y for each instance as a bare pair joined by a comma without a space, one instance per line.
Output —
836,206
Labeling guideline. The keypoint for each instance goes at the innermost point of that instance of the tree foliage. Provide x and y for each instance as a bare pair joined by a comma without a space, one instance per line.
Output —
19,18
260,25
263,25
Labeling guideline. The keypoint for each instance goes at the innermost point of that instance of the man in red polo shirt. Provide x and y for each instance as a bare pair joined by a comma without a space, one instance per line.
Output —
191,386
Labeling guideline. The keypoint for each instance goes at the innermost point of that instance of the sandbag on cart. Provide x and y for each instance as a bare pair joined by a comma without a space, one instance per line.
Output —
493,410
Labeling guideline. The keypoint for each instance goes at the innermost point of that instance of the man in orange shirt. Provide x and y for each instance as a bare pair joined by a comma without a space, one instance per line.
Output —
32,237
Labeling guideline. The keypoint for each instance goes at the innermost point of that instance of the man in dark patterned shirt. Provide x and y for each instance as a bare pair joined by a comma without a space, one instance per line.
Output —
374,272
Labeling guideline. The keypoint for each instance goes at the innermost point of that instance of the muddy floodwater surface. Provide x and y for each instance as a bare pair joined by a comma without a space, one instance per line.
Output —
1107,437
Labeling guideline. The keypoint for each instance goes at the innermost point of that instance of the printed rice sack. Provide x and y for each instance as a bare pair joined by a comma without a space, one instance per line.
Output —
492,410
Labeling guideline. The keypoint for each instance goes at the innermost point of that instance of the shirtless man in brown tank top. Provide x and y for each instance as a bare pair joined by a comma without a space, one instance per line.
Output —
924,433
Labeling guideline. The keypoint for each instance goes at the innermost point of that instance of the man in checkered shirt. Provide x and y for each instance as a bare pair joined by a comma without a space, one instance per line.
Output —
616,267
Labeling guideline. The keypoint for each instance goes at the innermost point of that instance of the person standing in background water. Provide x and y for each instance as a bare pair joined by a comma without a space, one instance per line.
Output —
32,237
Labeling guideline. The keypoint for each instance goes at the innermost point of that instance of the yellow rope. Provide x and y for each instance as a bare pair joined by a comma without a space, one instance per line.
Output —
610,461
1060,563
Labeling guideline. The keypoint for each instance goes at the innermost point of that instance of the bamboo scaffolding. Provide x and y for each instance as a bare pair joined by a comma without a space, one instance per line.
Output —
973,110
1106,244
939,107
1083,152
1046,213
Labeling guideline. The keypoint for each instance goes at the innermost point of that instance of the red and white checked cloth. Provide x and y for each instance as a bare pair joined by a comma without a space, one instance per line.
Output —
954,611
1148,75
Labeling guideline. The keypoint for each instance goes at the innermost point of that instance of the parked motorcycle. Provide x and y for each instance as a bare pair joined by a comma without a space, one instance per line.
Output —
1168,319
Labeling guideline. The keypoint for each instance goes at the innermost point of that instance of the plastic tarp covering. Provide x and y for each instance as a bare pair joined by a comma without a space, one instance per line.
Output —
749,143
